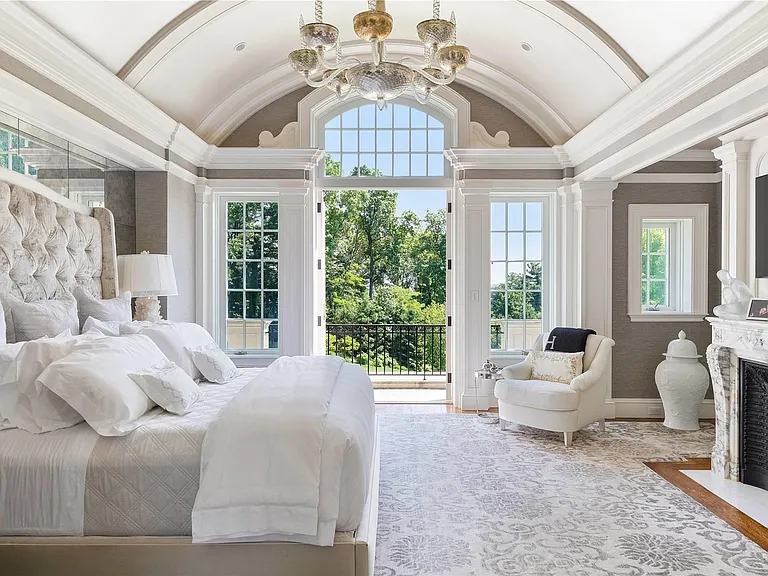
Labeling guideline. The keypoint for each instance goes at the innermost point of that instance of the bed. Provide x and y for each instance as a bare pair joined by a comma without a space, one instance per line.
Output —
139,489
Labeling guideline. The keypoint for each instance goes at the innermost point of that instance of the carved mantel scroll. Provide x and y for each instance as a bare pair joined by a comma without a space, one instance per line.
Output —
732,340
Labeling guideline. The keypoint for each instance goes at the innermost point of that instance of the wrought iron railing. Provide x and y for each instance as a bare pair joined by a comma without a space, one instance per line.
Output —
394,349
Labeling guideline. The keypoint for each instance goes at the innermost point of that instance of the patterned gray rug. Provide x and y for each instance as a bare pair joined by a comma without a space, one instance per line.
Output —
459,497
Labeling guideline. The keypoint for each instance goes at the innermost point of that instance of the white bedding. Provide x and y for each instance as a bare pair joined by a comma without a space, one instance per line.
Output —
144,484
260,468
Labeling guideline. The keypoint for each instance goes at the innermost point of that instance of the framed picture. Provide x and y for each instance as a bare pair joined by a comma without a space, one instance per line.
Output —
758,309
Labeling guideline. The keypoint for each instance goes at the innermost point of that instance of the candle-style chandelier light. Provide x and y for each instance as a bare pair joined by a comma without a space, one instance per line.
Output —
379,80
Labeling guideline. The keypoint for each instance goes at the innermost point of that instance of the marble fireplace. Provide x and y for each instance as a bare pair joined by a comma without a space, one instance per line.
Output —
733,342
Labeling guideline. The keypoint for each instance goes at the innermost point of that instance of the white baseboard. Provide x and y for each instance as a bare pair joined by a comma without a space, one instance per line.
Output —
646,408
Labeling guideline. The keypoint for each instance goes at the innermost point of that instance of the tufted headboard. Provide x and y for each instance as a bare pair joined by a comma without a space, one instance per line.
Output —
49,244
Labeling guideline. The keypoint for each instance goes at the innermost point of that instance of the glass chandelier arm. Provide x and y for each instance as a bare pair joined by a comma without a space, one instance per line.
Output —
438,81
319,11
413,62
422,97
340,64
325,81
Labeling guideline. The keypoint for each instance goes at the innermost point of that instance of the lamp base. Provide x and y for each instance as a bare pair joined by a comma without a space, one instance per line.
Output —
147,309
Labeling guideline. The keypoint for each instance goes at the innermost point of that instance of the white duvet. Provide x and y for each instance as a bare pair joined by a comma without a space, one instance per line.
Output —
272,462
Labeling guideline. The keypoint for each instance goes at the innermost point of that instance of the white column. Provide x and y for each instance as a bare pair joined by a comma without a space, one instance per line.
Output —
567,255
205,275
593,254
473,306
294,273
735,207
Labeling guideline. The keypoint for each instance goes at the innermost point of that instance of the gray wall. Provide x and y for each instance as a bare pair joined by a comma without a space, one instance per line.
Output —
639,345
492,115
181,246
152,217
120,198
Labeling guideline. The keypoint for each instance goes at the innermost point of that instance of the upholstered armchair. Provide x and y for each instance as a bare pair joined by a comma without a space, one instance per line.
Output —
552,405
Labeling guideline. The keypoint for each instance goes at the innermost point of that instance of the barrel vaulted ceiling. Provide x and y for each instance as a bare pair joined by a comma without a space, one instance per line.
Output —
586,54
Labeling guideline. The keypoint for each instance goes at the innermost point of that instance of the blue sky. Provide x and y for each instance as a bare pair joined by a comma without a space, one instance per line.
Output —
419,201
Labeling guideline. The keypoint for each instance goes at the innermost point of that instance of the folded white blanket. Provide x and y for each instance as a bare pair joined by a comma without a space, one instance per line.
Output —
261,458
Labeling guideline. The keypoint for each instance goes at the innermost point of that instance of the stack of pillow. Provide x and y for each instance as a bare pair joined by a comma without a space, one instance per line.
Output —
111,375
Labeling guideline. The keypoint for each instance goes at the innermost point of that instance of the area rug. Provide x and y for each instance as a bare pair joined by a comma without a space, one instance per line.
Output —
460,497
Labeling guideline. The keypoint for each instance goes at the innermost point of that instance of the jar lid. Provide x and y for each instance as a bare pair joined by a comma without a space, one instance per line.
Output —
682,348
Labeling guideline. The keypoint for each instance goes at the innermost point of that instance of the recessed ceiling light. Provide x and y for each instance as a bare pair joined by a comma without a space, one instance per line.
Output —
240,46
525,46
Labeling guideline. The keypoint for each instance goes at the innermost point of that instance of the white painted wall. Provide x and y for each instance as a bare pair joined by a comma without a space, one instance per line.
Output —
181,246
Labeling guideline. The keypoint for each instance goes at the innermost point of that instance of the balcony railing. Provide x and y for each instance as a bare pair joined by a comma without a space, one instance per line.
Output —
390,349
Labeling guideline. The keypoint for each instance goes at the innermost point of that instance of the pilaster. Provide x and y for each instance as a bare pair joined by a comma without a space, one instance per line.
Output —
735,206
205,275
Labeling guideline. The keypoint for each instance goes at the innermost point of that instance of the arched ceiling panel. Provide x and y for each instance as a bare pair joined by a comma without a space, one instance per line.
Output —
111,32
652,32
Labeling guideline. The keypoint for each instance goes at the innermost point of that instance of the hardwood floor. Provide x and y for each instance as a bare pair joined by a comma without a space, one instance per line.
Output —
672,473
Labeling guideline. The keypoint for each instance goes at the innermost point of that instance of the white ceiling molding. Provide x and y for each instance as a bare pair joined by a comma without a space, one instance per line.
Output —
264,159
672,178
507,159
692,155
288,137
736,106
37,45
481,139
738,37
472,186
752,131
480,75
39,109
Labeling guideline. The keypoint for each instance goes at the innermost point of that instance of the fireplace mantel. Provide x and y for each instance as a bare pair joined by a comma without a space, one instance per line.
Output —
732,340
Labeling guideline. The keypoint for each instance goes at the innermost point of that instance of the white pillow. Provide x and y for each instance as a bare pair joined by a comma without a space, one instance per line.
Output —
8,353
94,381
559,367
112,310
38,319
168,386
215,366
23,400
175,338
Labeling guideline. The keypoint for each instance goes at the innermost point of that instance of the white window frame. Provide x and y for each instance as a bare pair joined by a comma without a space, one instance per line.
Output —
221,275
688,250
548,273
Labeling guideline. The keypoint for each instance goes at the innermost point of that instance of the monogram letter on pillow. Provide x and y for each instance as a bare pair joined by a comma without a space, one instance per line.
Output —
559,367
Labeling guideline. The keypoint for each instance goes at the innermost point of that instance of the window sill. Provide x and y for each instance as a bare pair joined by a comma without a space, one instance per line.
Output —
666,317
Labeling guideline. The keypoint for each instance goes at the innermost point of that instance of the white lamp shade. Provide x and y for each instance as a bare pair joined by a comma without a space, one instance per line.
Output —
147,275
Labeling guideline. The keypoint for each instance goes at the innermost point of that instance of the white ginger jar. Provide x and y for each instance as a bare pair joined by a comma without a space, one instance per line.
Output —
682,382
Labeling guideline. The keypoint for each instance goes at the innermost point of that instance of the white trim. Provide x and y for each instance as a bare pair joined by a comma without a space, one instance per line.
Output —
739,36
480,75
264,159
662,316
508,158
692,155
662,178
500,185
639,408
699,214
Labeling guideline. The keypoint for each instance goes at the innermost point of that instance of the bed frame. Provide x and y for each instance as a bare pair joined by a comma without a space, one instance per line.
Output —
352,553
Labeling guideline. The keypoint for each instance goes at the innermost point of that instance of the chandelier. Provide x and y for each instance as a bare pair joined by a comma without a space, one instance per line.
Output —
320,61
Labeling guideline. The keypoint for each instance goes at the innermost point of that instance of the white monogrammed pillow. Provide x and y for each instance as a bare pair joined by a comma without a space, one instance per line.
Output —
556,366
168,386
214,365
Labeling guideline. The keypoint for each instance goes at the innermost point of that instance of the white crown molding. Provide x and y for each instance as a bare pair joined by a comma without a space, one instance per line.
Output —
499,186
480,138
738,37
264,159
752,131
507,159
480,75
288,137
672,178
692,155
220,186
42,110
32,41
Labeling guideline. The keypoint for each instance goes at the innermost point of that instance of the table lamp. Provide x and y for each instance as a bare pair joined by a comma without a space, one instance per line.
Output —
147,276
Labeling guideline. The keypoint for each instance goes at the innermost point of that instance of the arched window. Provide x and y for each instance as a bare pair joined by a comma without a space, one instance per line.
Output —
399,141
